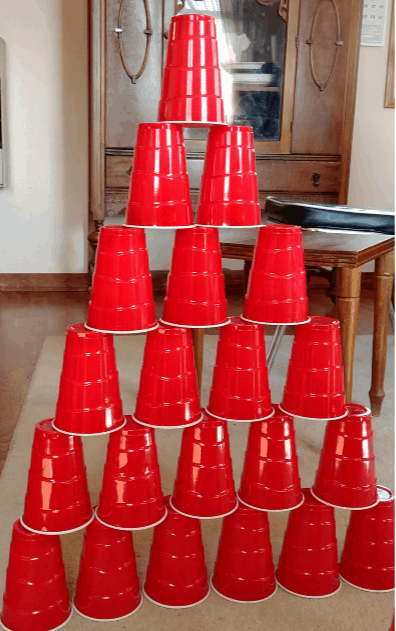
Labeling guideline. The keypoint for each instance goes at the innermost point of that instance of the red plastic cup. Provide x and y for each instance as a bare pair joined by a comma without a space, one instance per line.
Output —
195,294
107,585
308,561
244,571
168,393
57,498
315,378
368,557
277,287
122,295
229,191
346,476
159,195
240,389
176,574
36,595
191,85
270,480
131,496
89,399
204,486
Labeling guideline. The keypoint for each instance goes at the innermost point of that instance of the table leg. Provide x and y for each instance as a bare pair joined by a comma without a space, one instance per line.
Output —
198,340
348,299
384,273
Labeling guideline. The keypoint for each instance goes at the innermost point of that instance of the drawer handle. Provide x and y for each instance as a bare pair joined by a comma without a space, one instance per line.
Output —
315,177
148,32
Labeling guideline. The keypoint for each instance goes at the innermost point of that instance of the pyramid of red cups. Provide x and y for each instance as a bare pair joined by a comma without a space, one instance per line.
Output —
57,499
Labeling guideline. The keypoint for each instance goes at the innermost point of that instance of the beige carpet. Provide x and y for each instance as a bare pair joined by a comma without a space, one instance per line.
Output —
349,610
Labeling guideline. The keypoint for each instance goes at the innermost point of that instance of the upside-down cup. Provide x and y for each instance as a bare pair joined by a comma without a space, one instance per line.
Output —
229,191
176,573
346,476
270,479
240,388
57,499
131,496
159,194
107,585
314,386
36,595
368,557
122,295
195,293
89,400
191,84
204,486
244,571
168,392
308,561
277,287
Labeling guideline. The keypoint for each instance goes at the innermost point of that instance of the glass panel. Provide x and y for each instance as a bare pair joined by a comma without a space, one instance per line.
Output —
252,38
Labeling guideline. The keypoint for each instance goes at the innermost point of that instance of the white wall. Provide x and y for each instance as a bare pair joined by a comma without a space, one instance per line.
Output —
373,148
44,209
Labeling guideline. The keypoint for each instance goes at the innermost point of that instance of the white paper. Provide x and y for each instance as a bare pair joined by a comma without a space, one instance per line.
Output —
373,26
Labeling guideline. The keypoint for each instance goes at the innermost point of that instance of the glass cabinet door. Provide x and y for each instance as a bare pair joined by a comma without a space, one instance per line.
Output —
257,60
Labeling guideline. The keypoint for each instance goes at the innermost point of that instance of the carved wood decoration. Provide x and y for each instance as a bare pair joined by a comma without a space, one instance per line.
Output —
318,43
282,11
148,32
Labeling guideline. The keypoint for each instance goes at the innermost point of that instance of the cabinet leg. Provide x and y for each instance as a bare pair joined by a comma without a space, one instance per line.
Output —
93,239
348,299
246,271
384,274
198,340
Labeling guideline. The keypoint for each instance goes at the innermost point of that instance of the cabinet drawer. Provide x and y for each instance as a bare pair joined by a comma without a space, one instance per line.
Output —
298,175
118,171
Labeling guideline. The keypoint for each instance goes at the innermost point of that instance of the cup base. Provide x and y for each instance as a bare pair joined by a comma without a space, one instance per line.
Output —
241,601
273,510
200,516
194,124
60,532
165,515
215,225
167,426
310,597
275,323
155,602
196,326
90,328
364,589
54,629
344,507
110,431
241,420
135,225
312,418
109,619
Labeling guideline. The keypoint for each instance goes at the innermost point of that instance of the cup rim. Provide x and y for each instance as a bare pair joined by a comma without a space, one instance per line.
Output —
114,429
155,602
271,510
54,629
305,596
109,619
345,507
195,326
261,600
385,488
200,517
275,323
60,532
365,589
90,328
220,226
241,420
168,426
195,124
165,515
191,225
312,418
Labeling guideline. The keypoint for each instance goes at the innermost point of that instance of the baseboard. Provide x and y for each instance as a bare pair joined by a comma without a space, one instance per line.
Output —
43,282
318,281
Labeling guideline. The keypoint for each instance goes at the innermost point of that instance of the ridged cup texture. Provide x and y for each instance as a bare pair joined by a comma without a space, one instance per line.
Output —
308,561
107,585
315,378
346,473
131,495
168,391
89,400
36,595
277,287
240,388
57,497
204,486
159,193
122,296
270,479
368,557
176,572
244,570
195,293
229,191
191,85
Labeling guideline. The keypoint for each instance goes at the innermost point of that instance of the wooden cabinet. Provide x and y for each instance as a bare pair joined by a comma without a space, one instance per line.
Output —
289,69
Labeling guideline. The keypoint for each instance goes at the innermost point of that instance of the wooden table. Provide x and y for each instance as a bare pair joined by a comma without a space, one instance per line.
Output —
347,253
